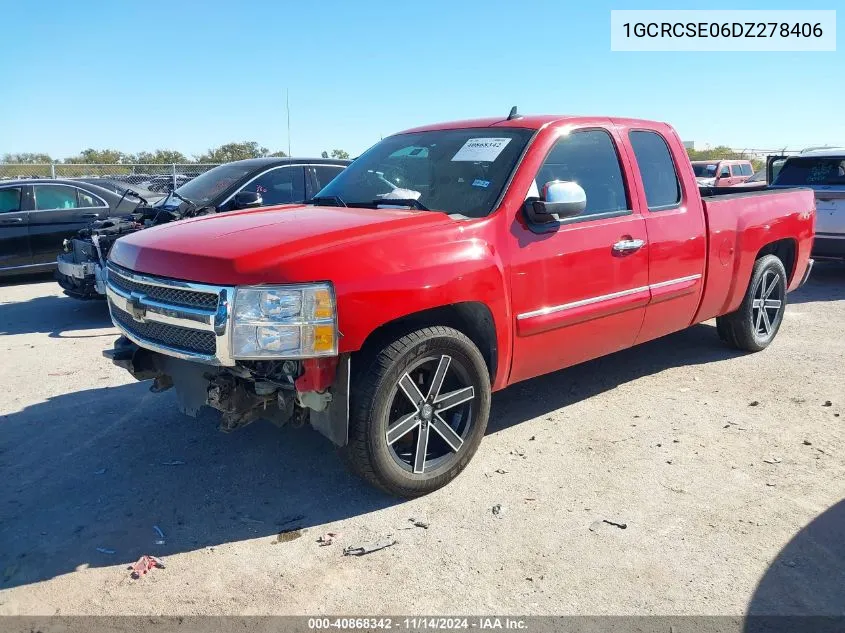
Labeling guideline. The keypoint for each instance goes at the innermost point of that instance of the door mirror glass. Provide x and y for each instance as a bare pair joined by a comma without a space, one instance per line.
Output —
247,200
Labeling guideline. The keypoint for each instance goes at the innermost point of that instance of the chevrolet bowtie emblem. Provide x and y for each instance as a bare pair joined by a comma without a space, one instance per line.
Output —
136,308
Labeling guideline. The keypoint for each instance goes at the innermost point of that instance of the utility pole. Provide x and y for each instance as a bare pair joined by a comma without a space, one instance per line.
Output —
287,103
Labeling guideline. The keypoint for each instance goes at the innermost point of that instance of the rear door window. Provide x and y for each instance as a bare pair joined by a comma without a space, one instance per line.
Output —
10,199
48,197
660,180
88,200
325,174
746,169
736,170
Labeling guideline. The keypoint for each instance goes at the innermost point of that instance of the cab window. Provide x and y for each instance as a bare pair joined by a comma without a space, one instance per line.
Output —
589,158
657,169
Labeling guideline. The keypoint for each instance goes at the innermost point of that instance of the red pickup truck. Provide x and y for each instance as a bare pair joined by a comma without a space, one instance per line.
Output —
445,263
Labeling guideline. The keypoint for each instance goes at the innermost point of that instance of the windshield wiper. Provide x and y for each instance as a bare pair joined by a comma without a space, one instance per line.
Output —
183,198
130,192
413,203
336,201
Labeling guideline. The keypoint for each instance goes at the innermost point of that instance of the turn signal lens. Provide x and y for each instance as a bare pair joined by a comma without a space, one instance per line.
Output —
323,304
324,340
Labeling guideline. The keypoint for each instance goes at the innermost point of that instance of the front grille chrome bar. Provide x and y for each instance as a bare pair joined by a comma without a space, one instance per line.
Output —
142,308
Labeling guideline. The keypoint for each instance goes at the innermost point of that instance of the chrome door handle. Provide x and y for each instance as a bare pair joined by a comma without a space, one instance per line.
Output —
12,221
89,216
628,246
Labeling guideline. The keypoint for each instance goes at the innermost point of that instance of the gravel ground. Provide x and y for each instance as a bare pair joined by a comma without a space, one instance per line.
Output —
725,469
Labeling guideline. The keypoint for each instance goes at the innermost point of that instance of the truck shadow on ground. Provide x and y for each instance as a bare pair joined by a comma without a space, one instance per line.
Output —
99,468
807,578
826,283
53,315
697,345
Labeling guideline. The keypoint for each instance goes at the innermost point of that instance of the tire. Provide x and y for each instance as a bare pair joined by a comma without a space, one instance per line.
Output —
383,395
751,328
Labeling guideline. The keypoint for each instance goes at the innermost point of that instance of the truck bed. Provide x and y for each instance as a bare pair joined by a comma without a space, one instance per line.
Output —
738,222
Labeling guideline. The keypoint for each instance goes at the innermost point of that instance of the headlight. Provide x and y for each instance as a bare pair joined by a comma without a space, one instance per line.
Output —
284,322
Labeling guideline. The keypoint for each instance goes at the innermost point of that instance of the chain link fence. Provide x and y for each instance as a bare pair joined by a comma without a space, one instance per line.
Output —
152,177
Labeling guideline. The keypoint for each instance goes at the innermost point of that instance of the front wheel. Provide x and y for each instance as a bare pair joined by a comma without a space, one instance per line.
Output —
757,321
419,411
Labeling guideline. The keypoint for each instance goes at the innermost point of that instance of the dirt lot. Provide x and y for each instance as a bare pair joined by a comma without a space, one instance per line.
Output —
726,469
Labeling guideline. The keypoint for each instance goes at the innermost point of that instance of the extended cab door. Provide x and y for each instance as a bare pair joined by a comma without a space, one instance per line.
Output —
59,212
579,287
674,221
14,239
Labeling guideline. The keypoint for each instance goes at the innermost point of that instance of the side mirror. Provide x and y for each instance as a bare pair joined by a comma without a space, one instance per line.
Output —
247,200
561,199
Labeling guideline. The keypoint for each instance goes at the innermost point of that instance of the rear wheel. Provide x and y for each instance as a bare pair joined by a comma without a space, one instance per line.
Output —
420,410
755,324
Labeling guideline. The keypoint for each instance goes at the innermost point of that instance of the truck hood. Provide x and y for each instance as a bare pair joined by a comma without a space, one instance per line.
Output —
259,246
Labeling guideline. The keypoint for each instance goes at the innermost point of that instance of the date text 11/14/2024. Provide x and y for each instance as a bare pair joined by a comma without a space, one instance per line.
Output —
485,623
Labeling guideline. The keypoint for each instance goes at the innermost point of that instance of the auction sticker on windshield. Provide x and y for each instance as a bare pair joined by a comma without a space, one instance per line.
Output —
481,149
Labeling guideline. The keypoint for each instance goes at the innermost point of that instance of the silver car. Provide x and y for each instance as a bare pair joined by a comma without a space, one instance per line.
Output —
822,170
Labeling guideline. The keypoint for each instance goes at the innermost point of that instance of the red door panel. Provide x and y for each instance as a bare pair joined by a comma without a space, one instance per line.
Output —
574,297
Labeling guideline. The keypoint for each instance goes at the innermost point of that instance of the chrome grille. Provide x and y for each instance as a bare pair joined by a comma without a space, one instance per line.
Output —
177,318
164,294
179,338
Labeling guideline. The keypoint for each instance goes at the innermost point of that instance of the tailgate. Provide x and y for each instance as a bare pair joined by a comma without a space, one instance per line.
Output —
830,212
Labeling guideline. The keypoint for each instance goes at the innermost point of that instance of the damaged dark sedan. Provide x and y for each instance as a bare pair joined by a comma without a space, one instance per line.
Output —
244,184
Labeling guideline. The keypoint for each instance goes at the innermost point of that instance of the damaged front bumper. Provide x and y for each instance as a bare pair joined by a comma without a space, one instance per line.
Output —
81,280
309,390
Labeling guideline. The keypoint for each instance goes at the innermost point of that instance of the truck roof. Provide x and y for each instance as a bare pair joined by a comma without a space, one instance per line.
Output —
832,152
531,121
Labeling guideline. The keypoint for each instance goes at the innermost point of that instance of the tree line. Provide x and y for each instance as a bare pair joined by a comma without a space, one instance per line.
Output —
246,149
223,154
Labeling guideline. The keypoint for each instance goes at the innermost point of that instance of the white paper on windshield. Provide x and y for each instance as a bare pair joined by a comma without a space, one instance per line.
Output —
481,149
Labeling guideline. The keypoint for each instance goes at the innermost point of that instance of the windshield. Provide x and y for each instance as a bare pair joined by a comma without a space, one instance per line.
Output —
812,171
454,171
206,186
703,170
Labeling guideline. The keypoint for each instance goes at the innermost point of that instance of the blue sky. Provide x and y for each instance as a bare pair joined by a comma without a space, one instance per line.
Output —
192,75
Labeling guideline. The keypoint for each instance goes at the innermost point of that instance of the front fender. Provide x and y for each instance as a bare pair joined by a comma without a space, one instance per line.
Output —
441,275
